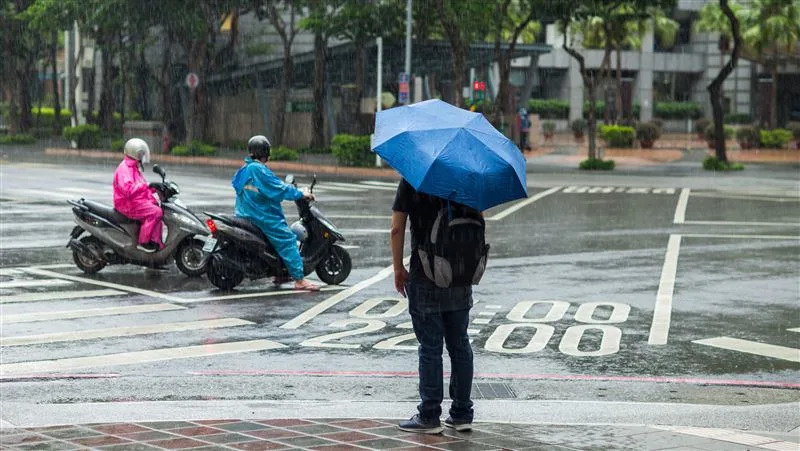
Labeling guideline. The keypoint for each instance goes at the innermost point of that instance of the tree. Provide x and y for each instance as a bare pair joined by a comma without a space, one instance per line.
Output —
21,49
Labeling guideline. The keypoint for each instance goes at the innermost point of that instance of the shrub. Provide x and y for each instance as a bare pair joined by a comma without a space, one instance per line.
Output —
600,108
647,133
738,118
195,148
549,127
283,153
700,126
549,108
711,163
181,151
117,144
708,133
352,150
658,123
315,150
794,127
578,127
617,135
774,139
21,138
592,164
677,110
47,116
87,136
747,137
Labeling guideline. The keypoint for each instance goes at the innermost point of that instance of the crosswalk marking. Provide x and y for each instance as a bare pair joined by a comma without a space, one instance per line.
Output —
34,283
46,273
58,295
752,347
86,313
345,187
377,183
121,331
128,358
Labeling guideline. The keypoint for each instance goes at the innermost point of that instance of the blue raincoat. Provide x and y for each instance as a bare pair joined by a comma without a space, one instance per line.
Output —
259,194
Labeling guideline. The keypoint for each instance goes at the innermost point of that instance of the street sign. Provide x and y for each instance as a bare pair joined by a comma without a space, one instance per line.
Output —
404,89
192,80
479,90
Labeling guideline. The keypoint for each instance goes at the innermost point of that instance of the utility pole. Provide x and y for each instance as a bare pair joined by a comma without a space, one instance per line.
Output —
379,89
408,40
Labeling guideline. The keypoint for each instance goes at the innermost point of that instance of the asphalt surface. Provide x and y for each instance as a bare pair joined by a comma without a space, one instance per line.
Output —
677,287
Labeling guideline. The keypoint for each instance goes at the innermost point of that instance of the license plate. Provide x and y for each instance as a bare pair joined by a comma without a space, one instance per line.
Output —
211,243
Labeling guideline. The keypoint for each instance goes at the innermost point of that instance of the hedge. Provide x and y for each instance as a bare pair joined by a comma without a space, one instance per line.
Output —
549,108
738,118
195,148
596,164
21,138
711,163
600,108
774,139
352,150
283,153
46,117
117,144
677,110
618,135
87,136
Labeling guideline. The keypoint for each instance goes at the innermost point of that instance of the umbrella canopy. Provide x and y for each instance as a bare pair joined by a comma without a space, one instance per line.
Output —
451,153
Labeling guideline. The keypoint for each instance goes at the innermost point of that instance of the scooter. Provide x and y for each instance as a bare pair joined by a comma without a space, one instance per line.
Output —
239,248
103,236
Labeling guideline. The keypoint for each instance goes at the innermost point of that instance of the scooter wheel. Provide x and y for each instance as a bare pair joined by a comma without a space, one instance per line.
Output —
335,268
190,258
221,277
88,261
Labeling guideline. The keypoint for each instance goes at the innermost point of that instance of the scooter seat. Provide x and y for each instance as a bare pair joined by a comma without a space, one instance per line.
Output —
107,212
244,223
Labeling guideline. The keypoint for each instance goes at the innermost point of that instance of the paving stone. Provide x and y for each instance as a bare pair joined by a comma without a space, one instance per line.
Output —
147,436
415,448
305,441
258,445
348,436
167,424
18,439
93,442
387,431
467,446
119,428
223,439
382,443
129,447
71,433
212,422
241,426
359,424
273,433
507,442
195,431
336,448
284,422
315,429
48,446
178,443
428,439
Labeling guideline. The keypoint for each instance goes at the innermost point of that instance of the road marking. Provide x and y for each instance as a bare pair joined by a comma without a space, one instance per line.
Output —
44,272
493,307
745,223
345,187
34,210
753,347
745,197
34,283
58,295
794,329
732,436
8,272
659,329
87,313
364,231
481,320
357,217
17,243
377,183
764,237
37,225
522,204
309,314
54,266
129,358
259,294
680,209
473,331
490,314
115,332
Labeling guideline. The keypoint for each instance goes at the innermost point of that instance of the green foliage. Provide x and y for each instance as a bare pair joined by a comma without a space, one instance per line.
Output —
708,133
594,164
738,118
711,163
678,110
549,108
774,139
794,127
352,150
87,136
195,148
117,144
600,108
21,138
47,116
315,150
578,127
549,127
283,153
701,124
647,132
747,137
617,135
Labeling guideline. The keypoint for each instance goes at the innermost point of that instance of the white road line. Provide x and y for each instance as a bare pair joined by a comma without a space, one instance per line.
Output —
745,223
490,314
36,224
794,329
357,217
746,237
732,436
87,313
745,197
58,295
377,183
34,210
115,332
680,209
662,313
37,243
345,187
473,331
309,314
54,266
8,272
522,204
364,231
369,187
493,306
481,321
753,347
257,295
44,272
130,358
34,283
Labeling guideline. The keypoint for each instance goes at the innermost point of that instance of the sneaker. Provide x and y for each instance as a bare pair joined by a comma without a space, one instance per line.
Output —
458,425
149,247
417,424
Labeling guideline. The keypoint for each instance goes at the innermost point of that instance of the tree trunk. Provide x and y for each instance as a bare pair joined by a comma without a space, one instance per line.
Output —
318,115
618,97
56,91
105,113
590,84
715,88
605,68
527,89
283,94
773,110
504,66
458,51
359,67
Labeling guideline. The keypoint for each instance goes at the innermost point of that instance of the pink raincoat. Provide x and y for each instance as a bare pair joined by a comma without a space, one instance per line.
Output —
134,199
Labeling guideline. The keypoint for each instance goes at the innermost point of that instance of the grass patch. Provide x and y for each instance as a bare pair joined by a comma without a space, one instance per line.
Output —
711,163
595,164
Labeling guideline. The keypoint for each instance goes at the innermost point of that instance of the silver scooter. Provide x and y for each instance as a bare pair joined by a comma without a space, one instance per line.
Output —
103,236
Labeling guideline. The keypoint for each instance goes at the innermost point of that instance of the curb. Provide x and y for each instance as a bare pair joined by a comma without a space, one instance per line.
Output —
279,166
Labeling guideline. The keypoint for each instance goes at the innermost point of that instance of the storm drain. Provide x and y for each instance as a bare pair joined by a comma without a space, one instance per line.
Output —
488,390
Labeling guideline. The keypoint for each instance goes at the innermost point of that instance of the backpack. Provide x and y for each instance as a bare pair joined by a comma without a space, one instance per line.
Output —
454,253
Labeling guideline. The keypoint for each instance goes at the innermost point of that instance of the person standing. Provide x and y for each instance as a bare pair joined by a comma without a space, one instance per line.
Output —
437,314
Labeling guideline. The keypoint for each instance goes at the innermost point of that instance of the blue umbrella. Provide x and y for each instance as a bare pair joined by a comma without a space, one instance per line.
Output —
451,153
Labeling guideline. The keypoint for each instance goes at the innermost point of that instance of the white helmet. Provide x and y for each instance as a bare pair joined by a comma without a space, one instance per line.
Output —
137,149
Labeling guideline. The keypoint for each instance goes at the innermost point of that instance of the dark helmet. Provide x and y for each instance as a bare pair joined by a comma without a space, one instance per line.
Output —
259,147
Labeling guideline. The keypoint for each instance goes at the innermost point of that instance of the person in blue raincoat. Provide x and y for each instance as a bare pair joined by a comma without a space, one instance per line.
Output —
259,194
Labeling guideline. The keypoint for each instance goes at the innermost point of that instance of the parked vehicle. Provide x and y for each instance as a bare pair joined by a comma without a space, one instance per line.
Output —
104,236
239,249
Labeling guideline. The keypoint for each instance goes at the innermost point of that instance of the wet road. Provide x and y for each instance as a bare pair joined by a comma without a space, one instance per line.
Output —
596,289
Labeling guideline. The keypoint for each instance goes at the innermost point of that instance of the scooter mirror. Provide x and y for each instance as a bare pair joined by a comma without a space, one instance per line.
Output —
289,179
157,169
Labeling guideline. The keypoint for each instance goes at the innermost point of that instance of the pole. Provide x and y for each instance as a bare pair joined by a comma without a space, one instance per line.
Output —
408,39
379,89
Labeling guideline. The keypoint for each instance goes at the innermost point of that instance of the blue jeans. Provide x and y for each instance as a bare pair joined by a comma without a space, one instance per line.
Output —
432,326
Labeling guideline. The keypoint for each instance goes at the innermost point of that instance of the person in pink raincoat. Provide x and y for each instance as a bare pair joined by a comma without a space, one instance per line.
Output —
133,196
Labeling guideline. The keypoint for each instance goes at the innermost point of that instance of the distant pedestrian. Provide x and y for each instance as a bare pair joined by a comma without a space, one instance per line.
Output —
524,127
439,300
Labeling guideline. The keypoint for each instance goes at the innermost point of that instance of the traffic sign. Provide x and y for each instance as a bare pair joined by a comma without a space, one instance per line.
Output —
403,88
192,80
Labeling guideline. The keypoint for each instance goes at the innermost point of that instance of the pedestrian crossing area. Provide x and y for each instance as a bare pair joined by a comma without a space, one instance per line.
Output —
53,324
